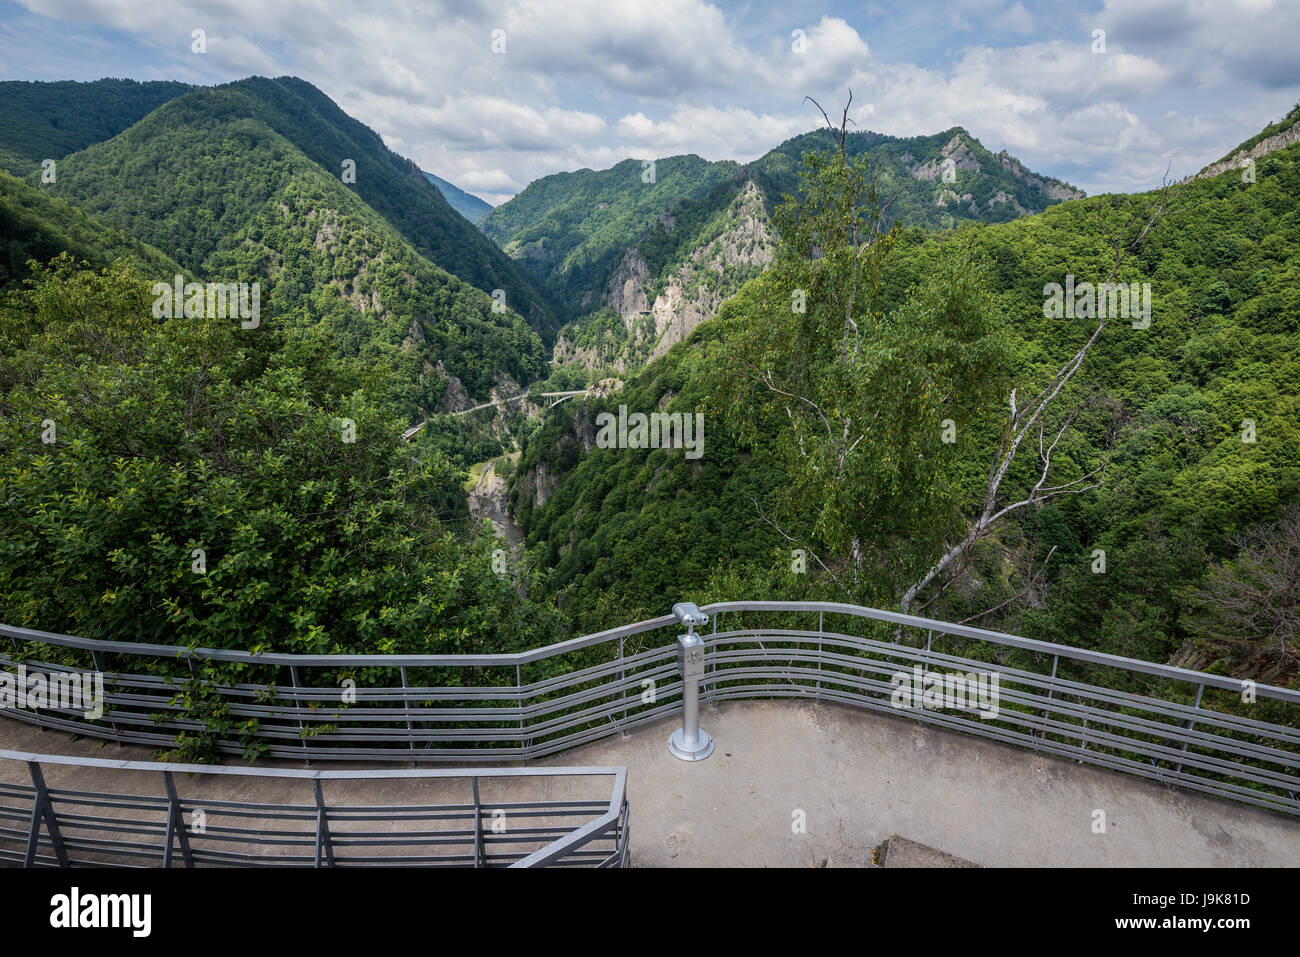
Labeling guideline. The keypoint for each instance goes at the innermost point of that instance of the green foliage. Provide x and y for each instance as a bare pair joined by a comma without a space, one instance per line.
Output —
207,179
185,434
908,176
1169,401
863,391
40,121
392,186
36,225
627,530
569,231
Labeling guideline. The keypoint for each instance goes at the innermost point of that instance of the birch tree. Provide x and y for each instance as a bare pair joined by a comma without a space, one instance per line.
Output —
1025,425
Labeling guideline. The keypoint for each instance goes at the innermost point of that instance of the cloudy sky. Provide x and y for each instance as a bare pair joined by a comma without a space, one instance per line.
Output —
586,83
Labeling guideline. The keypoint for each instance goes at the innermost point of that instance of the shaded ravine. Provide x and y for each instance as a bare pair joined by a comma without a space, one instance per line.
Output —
487,499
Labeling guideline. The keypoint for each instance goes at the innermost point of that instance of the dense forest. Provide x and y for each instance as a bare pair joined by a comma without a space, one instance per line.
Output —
40,121
233,200
134,441
1194,416
37,227
192,482
599,240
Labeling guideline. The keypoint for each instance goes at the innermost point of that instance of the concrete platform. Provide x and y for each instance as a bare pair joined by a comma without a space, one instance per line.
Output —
801,785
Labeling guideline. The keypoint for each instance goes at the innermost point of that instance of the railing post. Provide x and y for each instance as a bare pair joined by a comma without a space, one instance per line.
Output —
175,824
323,841
524,744
820,621
622,685
925,673
480,849
297,707
712,665
689,742
98,659
406,710
43,810
1189,724
1042,732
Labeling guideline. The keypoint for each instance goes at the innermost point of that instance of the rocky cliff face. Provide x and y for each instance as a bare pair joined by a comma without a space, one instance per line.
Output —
696,290
1055,190
1278,141
660,311
956,154
625,292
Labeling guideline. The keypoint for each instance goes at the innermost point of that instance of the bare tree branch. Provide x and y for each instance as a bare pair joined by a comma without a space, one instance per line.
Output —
1023,420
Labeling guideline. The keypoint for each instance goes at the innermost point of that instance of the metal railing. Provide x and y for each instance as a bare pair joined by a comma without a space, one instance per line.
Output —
1193,729
207,825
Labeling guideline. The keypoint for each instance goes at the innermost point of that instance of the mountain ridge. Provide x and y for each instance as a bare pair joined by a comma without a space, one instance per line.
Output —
467,204
616,239
230,198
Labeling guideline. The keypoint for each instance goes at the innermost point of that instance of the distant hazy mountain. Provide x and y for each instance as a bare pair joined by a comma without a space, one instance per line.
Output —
467,204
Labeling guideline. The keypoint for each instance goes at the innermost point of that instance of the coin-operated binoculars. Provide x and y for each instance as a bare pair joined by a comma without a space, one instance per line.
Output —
690,743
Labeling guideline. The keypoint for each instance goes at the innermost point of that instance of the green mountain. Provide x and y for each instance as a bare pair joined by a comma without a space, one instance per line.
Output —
52,120
634,257
184,479
277,453
467,204
568,231
40,121
36,225
393,186
207,178
1199,412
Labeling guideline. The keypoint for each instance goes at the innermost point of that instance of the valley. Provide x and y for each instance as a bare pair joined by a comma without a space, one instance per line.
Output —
476,351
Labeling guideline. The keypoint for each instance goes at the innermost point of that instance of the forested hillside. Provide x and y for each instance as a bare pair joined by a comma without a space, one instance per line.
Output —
206,179
622,253
191,482
188,478
391,185
1194,416
35,225
569,230
40,121
686,291
52,120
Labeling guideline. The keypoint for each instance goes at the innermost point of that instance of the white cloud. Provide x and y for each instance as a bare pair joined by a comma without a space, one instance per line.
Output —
712,132
591,82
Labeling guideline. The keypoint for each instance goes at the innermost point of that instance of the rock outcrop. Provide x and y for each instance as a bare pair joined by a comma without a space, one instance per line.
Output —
1278,141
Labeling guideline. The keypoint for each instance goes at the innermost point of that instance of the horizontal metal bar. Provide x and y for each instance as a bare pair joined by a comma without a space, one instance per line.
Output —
307,773
1002,638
